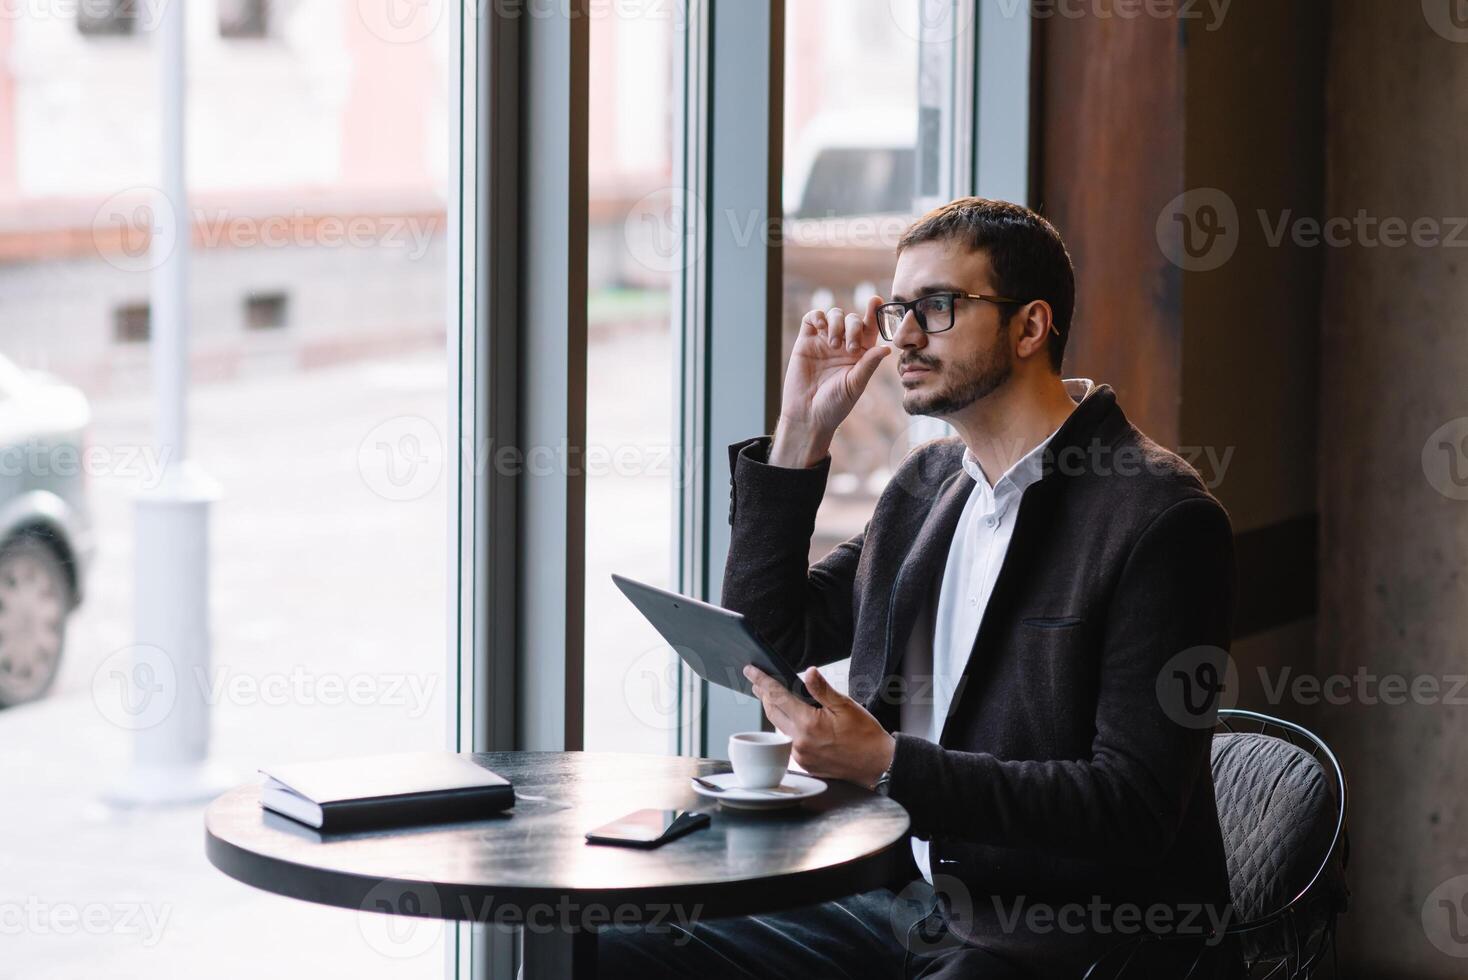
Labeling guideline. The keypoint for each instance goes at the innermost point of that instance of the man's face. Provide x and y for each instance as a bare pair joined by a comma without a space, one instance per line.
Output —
944,373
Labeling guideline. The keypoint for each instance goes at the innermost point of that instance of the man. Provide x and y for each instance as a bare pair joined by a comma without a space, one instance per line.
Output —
1014,612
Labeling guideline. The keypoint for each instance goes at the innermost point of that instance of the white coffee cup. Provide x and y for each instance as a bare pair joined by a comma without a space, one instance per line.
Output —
759,758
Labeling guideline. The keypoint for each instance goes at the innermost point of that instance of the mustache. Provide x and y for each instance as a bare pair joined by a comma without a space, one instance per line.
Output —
914,358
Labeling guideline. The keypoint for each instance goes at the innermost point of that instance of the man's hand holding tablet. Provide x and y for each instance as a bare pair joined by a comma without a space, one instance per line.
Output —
838,740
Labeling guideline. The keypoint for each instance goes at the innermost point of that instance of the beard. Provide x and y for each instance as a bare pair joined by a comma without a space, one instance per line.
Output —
963,383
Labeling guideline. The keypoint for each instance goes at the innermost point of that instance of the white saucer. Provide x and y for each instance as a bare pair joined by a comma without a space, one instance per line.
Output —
792,790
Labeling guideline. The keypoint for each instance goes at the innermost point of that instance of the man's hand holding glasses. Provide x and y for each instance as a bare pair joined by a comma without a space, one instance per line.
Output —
835,356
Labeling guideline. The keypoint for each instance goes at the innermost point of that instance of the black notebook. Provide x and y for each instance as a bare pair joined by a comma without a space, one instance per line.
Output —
385,791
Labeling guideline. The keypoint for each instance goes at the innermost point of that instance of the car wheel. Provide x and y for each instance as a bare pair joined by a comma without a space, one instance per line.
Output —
35,598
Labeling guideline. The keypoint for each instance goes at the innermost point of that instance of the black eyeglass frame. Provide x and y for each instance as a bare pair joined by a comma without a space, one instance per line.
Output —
922,319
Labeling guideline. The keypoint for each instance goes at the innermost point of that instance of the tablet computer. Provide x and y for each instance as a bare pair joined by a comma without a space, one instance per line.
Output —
717,643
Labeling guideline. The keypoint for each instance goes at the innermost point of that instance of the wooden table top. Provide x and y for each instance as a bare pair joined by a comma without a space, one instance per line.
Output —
844,841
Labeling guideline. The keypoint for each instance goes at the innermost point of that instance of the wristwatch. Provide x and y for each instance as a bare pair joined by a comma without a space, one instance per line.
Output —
884,781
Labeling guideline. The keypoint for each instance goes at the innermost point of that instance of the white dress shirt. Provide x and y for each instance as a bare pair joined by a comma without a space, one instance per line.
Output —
932,667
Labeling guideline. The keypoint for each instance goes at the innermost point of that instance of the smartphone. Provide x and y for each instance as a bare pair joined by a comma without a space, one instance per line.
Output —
648,828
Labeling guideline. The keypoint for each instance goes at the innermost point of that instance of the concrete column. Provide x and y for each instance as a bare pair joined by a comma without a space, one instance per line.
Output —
1394,474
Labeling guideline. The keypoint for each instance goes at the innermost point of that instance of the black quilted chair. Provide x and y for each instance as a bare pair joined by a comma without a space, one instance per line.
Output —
1282,808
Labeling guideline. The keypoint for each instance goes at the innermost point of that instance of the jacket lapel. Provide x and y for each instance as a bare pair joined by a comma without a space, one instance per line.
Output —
1097,417
924,562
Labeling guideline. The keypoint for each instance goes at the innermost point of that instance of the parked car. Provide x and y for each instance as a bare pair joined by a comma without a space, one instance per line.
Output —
45,532
852,189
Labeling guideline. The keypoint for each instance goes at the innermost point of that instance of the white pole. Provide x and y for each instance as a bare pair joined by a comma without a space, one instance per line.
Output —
170,659
170,246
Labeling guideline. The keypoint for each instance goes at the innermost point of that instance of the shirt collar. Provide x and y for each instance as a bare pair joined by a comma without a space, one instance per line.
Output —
1079,388
1028,469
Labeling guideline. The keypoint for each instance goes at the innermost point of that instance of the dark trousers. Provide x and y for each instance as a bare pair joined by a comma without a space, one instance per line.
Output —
875,934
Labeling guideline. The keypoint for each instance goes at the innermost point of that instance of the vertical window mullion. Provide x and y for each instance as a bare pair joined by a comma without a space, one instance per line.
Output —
740,325
552,230
690,179
483,413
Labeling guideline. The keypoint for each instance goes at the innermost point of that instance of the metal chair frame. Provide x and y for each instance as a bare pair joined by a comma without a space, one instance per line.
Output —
1231,720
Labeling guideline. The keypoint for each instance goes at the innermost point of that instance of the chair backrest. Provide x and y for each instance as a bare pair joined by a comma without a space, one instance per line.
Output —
1281,810
1281,807
1277,814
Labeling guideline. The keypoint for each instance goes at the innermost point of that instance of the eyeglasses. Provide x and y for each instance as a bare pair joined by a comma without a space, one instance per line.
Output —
934,312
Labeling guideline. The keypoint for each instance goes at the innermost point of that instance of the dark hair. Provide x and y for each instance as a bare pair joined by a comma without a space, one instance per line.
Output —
1027,255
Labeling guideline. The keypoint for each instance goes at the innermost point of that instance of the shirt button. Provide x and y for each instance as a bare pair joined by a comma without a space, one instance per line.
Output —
990,521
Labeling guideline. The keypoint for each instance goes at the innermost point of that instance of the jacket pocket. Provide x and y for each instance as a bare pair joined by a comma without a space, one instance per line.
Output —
1059,663
1054,622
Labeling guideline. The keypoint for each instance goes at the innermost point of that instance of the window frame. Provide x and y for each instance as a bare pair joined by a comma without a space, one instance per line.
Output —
518,223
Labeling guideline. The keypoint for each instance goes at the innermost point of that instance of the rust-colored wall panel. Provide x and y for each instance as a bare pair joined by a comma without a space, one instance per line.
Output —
1255,135
1111,158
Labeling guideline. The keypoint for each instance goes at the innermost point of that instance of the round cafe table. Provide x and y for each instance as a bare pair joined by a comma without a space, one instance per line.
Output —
531,868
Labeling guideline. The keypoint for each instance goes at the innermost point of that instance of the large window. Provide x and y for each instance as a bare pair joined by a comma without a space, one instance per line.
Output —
632,461
384,295
865,154
317,402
